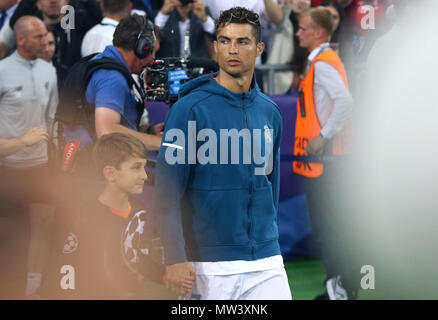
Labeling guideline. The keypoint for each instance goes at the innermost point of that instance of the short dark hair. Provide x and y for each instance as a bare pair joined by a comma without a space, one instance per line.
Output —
240,15
321,17
115,6
114,148
128,29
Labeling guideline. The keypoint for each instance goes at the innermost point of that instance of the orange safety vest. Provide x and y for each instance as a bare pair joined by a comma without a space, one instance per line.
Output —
307,125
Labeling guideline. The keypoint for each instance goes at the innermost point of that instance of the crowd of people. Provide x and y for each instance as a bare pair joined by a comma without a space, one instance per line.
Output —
217,223
94,25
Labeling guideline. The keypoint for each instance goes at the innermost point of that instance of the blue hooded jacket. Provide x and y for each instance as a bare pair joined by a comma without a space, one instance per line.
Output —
216,199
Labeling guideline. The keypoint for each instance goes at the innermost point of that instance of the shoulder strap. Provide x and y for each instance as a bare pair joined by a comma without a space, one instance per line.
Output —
73,103
111,64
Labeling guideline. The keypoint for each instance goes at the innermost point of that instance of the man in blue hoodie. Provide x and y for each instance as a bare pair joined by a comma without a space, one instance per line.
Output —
217,179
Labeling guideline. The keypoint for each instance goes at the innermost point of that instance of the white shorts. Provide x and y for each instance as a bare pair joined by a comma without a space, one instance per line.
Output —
259,285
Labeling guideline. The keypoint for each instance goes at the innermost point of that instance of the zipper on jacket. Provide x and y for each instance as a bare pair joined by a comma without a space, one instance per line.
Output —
35,91
250,183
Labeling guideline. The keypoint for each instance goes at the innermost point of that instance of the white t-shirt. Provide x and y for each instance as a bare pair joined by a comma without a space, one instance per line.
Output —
238,266
98,37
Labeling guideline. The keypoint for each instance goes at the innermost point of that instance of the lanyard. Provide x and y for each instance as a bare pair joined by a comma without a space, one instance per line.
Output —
321,49
108,24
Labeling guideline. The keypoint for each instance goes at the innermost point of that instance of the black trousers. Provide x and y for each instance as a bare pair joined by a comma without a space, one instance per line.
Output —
333,224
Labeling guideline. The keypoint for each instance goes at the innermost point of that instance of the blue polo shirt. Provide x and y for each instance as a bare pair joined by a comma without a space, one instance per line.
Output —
109,89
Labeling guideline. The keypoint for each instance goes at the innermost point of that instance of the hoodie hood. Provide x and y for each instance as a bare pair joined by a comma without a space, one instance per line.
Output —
207,84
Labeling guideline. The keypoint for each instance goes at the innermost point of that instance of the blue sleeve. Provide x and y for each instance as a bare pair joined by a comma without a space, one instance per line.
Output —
171,182
108,88
274,177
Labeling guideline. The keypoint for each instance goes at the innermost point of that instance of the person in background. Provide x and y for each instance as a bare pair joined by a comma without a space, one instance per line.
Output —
150,7
337,14
7,8
101,35
117,109
28,99
29,138
68,40
50,47
324,111
178,17
300,53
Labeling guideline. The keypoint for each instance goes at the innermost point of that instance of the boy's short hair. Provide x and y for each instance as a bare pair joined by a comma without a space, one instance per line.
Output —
321,17
114,148
240,15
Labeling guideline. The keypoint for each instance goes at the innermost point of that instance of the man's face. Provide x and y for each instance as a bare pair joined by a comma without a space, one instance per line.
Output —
130,176
6,4
51,8
141,64
237,49
307,33
33,40
49,49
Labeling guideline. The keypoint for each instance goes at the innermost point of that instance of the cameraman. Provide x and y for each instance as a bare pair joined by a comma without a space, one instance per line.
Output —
177,17
115,102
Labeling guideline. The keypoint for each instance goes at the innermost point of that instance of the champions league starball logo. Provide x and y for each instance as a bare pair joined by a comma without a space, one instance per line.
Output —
132,243
70,244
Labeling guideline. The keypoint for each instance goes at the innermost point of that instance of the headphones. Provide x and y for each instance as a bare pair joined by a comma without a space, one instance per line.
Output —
144,46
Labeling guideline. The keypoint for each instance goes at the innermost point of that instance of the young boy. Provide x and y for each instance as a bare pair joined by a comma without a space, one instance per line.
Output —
112,243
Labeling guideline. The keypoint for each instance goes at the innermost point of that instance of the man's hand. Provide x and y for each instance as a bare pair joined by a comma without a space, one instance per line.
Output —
179,278
157,129
169,5
316,146
199,10
33,136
